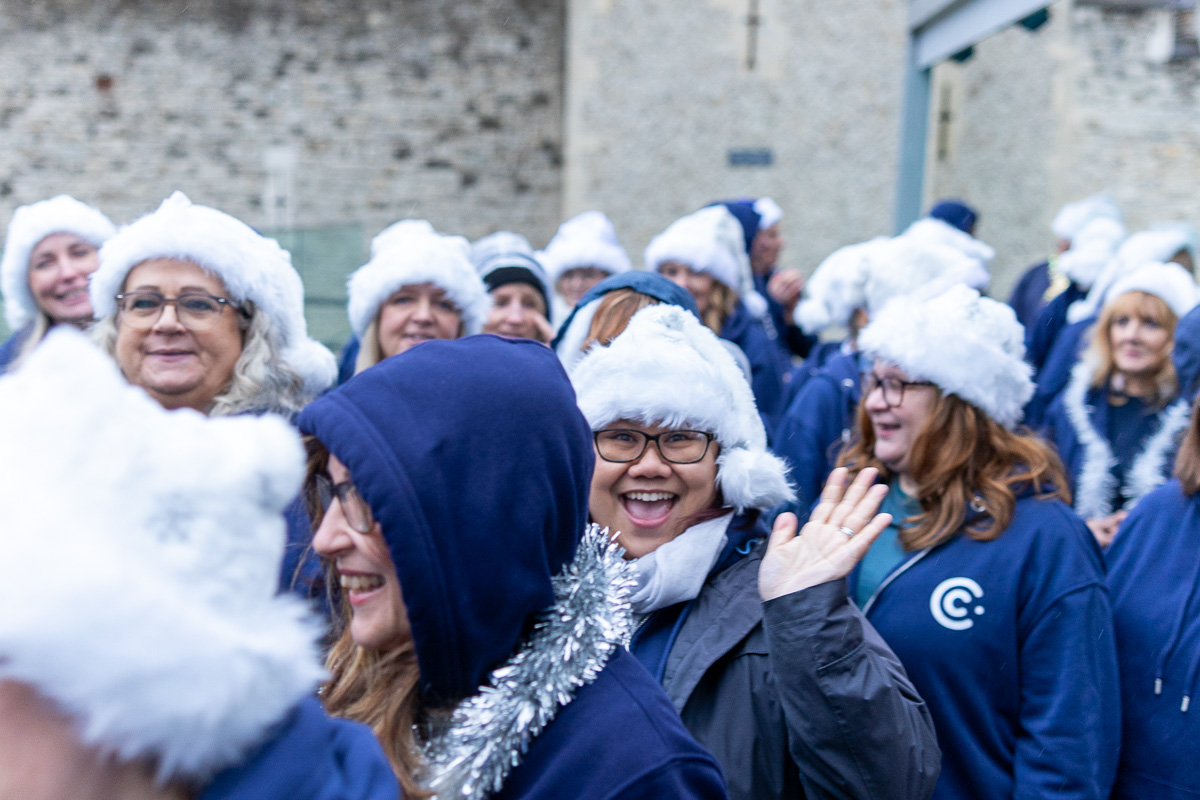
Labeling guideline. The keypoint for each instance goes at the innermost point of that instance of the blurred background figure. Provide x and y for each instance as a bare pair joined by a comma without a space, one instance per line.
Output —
50,250
583,252
518,285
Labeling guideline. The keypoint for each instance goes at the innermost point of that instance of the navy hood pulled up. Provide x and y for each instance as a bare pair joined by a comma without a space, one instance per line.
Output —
480,507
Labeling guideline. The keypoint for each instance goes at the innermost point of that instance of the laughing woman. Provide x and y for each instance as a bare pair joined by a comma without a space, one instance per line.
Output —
986,584
51,249
1117,422
781,678
418,286
482,629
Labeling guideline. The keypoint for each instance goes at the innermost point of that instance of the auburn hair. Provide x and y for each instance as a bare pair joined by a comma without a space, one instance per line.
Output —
377,688
613,314
720,305
1187,461
962,459
1149,308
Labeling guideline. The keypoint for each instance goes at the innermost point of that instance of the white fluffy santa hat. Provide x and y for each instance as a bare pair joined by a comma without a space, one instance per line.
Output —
667,368
411,252
145,547
251,266
30,224
969,345
585,240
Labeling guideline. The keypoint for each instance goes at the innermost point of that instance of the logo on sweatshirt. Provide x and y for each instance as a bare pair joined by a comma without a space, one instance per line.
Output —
953,603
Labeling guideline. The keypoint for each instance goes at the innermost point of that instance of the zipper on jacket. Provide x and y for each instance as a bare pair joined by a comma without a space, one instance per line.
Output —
895,574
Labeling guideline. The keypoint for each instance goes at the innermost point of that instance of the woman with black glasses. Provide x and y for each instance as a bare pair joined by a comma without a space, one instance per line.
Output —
986,584
758,647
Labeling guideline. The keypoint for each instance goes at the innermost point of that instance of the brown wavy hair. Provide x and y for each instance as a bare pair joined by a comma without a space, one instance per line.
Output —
1148,307
377,688
613,314
720,306
961,458
1187,461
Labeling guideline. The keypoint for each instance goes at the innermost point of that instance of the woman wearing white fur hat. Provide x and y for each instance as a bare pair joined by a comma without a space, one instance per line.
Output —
162,664
705,253
203,312
848,289
51,248
796,696
419,285
1117,422
583,252
985,584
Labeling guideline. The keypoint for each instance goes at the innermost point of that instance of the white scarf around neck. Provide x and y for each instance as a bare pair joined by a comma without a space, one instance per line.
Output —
676,571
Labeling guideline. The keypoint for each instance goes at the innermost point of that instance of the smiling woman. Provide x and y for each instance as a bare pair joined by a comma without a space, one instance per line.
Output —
202,312
50,251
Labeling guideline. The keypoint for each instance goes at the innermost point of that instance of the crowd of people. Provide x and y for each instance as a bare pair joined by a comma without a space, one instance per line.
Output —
554,525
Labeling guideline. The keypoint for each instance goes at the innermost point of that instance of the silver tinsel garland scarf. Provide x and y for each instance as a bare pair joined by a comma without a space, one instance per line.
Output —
489,732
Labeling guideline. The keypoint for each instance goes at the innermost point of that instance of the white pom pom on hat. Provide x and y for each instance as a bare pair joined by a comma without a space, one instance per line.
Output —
163,637
30,225
970,346
251,266
587,239
667,368
411,252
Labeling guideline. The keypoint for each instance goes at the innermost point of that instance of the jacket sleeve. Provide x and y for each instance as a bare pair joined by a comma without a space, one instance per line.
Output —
856,726
1069,740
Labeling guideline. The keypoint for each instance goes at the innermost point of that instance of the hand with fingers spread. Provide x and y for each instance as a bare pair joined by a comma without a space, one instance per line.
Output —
836,537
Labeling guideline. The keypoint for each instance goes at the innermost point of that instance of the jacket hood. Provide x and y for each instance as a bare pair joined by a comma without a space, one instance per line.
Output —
476,461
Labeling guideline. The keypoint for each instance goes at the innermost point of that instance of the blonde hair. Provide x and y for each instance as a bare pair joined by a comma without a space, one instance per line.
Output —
720,306
1150,308
370,352
261,382
379,689
962,457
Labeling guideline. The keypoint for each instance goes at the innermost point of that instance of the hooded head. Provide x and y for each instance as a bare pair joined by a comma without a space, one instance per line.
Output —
574,331
252,267
476,462
163,636
30,225
956,213
638,377
585,240
970,346
411,252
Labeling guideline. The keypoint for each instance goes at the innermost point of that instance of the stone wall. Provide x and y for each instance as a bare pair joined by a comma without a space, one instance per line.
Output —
1086,103
289,112
659,93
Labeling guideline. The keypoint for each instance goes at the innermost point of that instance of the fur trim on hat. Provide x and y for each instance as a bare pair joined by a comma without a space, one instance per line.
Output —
162,532
837,288
970,346
768,212
411,252
585,240
1156,245
251,266
1074,217
938,232
639,377
30,224
1091,250
1169,282
711,241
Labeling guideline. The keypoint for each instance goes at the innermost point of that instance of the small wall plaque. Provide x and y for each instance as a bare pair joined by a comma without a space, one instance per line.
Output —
751,157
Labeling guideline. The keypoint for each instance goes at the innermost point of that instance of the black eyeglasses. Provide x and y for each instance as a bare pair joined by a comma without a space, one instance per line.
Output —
893,388
354,508
622,445
197,311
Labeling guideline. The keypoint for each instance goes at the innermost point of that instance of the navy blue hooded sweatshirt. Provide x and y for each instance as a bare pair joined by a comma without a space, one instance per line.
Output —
312,756
477,463
1010,643
1027,298
1154,580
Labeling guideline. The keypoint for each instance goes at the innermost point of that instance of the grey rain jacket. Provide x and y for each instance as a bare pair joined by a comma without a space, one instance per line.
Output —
798,697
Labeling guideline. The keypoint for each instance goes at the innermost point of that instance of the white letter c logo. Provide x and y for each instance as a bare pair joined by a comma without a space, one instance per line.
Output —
951,601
